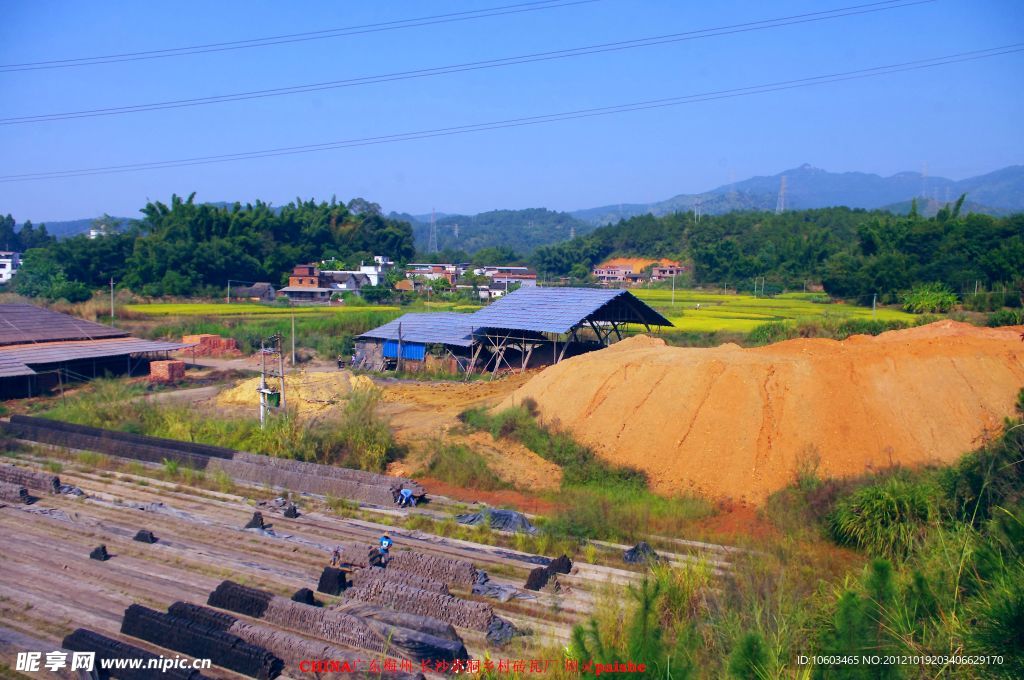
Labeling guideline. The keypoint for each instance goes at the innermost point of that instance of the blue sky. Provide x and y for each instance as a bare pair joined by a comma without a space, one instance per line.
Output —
961,120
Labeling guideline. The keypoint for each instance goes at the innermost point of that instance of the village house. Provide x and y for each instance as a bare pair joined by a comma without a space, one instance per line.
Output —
9,263
630,270
257,292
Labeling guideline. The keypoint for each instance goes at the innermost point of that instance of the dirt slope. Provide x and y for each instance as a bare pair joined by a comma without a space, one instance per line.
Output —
733,422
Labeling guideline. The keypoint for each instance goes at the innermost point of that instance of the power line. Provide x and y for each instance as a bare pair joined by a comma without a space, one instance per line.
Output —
875,71
519,8
746,27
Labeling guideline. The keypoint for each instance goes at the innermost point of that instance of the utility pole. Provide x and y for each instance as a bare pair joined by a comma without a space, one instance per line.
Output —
293,339
673,287
263,385
280,364
874,301
228,298
111,300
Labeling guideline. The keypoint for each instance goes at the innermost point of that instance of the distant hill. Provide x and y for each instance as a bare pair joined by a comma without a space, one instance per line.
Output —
521,230
999,192
68,228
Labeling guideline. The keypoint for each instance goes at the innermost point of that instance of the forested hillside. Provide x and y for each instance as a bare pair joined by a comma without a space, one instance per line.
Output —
521,231
187,248
855,253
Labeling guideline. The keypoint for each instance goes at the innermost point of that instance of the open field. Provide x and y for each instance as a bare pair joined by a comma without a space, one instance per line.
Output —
186,309
743,313
244,309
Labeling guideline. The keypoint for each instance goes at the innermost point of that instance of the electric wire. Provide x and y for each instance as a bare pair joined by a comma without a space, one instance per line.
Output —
809,81
764,24
519,8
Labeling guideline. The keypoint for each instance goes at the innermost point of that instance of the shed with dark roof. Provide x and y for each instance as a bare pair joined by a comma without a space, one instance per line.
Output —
41,349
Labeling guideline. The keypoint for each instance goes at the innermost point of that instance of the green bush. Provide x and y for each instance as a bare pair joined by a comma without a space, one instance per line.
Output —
460,465
929,298
989,477
773,331
887,518
1005,317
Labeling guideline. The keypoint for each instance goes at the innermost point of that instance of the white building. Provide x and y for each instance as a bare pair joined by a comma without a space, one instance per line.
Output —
9,263
378,271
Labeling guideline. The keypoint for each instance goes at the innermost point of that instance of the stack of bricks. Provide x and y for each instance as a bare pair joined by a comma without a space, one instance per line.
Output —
209,345
166,371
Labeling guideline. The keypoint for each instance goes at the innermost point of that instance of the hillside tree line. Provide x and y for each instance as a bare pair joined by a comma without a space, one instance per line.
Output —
189,248
854,253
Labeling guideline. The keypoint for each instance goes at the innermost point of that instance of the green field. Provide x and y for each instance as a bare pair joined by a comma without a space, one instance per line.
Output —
743,313
243,309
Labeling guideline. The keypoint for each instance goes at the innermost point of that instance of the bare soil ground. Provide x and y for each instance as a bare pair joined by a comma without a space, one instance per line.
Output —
424,413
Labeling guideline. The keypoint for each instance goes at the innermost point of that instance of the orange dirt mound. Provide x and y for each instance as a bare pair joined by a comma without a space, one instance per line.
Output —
737,423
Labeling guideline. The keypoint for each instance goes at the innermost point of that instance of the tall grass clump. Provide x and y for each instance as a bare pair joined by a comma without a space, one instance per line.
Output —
887,519
597,499
360,437
460,465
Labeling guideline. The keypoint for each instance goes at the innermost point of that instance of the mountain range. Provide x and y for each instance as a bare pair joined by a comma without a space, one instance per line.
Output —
998,193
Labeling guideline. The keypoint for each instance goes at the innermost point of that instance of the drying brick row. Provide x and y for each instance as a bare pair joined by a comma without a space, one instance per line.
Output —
83,640
290,647
14,493
334,472
202,641
265,470
449,570
334,626
40,481
403,598
393,576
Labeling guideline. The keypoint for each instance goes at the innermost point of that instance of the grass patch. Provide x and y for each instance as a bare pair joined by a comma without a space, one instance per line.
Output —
597,499
458,464
359,437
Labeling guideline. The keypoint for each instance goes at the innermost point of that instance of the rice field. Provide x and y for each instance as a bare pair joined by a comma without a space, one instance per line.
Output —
245,309
700,312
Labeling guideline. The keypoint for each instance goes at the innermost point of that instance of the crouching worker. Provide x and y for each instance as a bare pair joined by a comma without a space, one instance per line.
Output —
406,499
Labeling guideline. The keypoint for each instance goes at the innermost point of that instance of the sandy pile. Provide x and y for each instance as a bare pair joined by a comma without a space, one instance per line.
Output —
310,393
733,422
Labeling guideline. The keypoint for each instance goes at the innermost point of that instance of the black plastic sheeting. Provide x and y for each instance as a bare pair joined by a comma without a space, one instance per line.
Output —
83,640
202,641
305,596
332,582
500,520
235,597
640,553
99,553
145,536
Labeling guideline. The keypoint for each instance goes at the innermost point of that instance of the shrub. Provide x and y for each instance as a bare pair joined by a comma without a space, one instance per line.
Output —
929,298
171,467
988,477
886,519
773,331
366,436
1005,317
460,465
750,657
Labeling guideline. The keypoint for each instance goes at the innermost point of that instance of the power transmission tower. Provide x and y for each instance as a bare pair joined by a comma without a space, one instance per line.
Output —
572,231
924,179
697,209
780,205
455,232
432,240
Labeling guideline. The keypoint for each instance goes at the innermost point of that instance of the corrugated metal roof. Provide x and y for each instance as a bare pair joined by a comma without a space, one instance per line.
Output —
442,328
15,359
558,310
21,323
11,367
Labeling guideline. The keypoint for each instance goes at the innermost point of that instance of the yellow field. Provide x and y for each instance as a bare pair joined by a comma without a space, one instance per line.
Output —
707,312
